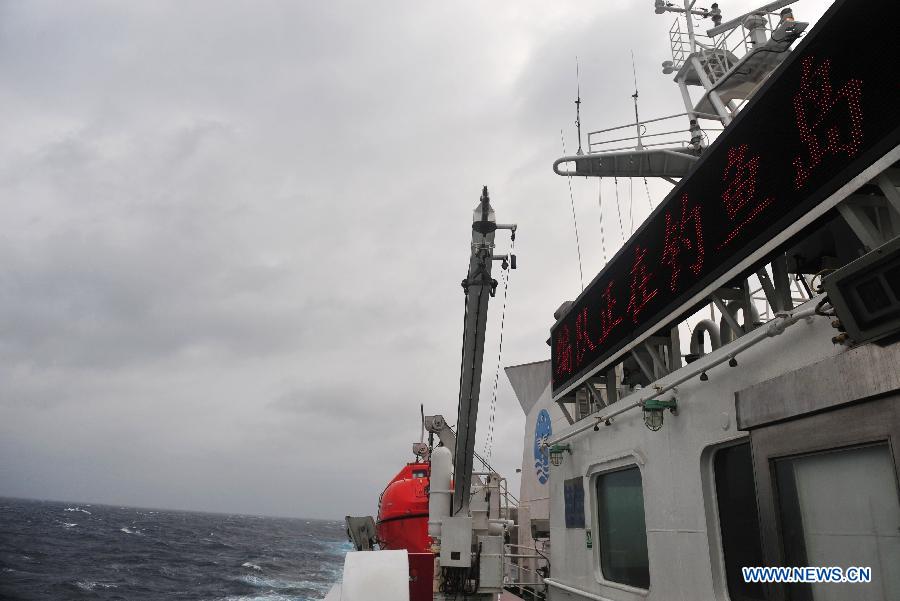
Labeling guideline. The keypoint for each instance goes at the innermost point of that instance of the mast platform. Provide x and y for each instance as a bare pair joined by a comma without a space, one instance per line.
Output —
672,162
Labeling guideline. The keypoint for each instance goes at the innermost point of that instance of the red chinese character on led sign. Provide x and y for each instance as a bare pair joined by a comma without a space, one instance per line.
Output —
680,237
742,201
563,352
583,342
640,278
607,320
822,113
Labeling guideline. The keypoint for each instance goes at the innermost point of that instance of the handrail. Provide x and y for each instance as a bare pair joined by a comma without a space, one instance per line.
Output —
573,590
701,115
664,133
681,144
681,136
726,353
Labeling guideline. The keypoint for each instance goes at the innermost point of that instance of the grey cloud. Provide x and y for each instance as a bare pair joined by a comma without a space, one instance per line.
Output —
233,234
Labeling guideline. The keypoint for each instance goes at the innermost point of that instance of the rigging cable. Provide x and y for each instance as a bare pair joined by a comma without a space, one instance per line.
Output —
574,219
600,206
492,412
619,210
631,203
650,200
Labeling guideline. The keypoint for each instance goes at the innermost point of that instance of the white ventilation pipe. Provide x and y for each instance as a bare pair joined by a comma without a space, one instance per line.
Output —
751,317
439,490
708,326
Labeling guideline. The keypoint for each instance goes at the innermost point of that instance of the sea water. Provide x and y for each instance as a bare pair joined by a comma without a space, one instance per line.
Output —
51,550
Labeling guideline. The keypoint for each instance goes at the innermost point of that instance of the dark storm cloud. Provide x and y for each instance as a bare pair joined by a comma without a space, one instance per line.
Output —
233,234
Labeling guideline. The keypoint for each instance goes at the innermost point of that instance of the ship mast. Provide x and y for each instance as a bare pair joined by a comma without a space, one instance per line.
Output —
478,287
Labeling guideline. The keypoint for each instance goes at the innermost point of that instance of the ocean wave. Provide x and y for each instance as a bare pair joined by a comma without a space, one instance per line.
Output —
252,566
90,586
265,582
128,530
78,509
167,571
267,597
68,525
276,583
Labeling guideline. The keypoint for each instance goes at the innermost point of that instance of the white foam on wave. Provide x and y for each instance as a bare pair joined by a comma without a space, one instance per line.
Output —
166,571
128,530
267,597
87,585
78,509
252,566
276,583
69,525
264,582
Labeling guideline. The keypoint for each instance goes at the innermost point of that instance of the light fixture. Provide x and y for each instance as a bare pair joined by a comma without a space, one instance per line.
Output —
715,14
556,453
653,412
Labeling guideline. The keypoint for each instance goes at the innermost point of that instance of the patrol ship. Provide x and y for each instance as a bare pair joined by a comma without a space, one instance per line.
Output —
725,394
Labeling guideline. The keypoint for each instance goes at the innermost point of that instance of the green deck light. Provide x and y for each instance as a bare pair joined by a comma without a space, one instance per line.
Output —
556,453
654,410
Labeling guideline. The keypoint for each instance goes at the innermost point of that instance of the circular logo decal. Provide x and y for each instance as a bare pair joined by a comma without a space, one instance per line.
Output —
542,430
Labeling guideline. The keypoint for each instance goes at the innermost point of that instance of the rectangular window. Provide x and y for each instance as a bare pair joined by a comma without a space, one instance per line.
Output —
623,531
738,519
841,508
573,493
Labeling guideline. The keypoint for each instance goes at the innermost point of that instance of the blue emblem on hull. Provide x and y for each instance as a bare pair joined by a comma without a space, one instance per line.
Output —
542,429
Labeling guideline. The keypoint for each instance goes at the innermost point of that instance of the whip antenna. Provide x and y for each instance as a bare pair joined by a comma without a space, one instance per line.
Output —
578,105
637,121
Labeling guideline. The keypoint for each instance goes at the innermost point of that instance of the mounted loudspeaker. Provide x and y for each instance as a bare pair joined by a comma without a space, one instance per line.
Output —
865,294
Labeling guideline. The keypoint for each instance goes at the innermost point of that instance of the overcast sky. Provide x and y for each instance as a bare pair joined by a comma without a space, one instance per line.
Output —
233,232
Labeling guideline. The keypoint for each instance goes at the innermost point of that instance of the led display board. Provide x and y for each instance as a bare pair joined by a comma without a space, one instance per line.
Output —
828,112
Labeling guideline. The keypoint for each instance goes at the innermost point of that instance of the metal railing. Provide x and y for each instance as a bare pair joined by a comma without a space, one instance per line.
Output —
667,137
516,578
718,54
680,43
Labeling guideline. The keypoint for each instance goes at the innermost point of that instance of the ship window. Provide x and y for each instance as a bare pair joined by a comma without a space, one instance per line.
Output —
623,531
841,508
738,519
420,474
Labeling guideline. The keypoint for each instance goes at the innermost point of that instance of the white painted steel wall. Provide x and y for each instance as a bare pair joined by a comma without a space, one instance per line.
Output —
676,469
531,383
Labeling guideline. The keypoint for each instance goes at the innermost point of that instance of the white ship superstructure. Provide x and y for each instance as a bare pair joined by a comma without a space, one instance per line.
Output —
725,393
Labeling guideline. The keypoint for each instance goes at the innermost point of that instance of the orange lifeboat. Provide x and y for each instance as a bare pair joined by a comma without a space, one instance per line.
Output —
403,510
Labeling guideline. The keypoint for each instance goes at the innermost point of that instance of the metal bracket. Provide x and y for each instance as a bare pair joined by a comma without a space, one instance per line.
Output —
594,394
861,224
565,411
643,365
782,282
659,367
726,314
892,194
769,289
